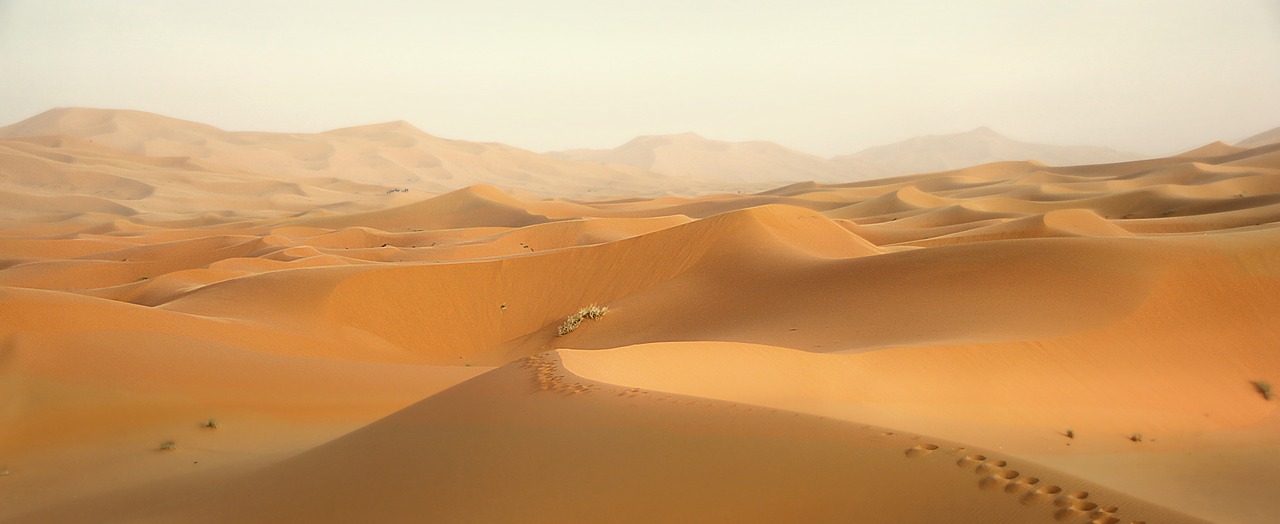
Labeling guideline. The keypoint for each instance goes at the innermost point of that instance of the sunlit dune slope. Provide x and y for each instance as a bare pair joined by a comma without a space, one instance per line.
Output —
536,442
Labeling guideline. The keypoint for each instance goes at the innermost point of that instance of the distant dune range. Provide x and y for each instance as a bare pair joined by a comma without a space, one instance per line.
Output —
754,162
1004,342
1264,138
394,155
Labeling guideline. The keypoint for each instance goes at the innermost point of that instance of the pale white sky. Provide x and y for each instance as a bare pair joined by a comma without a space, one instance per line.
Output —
827,77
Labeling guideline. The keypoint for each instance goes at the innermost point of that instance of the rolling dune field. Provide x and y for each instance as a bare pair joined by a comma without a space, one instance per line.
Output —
362,325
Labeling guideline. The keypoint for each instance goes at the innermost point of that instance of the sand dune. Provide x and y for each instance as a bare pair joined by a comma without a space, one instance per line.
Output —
1264,138
743,163
393,155
979,146
469,207
1006,342
588,448
1213,149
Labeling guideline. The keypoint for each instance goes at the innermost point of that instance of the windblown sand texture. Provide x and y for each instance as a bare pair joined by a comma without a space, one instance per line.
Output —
1008,342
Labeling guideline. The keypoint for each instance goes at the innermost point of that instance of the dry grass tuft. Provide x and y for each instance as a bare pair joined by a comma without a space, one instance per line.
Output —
591,312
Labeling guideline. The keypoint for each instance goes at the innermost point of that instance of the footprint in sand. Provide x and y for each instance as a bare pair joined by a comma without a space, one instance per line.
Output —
1020,485
1076,510
970,460
1104,515
1084,506
997,480
1070,500
1073,506
920,450
1041,494
990,466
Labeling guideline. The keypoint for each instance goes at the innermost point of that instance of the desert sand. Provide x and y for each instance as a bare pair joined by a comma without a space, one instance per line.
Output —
212,326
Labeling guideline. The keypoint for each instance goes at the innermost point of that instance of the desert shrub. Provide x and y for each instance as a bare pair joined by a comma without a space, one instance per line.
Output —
1264,388
168,445
591,312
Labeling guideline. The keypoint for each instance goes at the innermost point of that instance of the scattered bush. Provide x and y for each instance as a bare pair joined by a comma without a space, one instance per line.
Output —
212,423
1136,437
4,471
1264,388
168,445
1070,433
591,312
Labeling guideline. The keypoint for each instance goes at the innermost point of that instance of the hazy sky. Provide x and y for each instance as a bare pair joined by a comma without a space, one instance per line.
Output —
828,77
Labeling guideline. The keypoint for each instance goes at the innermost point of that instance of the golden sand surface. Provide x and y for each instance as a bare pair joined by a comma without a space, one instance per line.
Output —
203,326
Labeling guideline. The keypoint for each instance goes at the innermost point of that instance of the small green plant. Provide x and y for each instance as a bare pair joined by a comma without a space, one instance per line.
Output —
1070,433
1264,388
591,312
212,423
168,445
1136,437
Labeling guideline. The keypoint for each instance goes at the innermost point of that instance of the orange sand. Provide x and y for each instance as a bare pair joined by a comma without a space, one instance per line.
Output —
978,345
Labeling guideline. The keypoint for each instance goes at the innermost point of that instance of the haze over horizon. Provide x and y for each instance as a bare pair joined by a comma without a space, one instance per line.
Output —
822,77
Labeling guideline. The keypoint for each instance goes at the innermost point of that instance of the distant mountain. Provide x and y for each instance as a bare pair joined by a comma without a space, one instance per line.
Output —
689,154
395,154
1261,139
980,146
